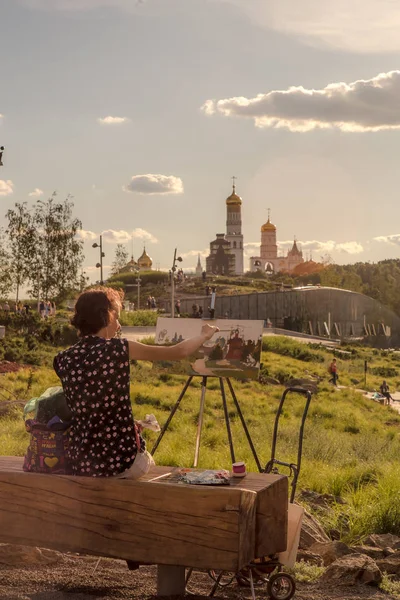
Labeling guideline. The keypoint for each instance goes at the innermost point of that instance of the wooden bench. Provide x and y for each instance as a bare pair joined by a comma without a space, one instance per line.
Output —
151,520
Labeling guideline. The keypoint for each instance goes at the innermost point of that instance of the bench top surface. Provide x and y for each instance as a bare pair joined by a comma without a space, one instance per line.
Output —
159,474
154,519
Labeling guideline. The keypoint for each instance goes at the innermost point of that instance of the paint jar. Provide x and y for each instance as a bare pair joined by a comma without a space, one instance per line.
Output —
239,469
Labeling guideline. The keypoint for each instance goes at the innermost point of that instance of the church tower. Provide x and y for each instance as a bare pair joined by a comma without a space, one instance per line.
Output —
269,247
199,268
234,228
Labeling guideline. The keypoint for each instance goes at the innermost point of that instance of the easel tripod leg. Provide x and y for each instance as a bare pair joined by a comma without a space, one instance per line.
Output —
246,431
200,423
227,422
171,414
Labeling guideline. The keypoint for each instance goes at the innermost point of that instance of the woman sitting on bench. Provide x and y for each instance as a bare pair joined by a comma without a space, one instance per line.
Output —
104,440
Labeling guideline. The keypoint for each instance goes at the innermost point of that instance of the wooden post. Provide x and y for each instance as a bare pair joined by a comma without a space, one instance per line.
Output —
170,580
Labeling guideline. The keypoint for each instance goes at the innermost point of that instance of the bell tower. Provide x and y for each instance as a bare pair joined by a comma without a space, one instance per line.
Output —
234,227
269,247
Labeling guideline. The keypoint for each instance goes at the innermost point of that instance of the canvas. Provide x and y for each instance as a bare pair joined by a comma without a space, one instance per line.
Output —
232,352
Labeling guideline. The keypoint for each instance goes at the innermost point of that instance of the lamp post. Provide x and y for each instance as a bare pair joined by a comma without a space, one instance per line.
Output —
99,265
138,283
173,269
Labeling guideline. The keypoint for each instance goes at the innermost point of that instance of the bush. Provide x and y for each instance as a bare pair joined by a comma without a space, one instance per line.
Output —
116,285
139,318
147,277
384,371
20,322
287,347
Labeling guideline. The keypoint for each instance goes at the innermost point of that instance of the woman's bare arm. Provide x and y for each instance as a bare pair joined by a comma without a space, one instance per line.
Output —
138,351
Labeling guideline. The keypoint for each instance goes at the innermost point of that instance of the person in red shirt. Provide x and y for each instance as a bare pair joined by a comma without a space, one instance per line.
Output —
333,372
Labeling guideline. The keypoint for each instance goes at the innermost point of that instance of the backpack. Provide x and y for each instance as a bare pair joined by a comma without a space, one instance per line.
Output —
48,449
49,433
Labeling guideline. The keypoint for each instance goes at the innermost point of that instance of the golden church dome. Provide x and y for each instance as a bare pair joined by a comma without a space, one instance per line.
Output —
145,260
268,226
234,199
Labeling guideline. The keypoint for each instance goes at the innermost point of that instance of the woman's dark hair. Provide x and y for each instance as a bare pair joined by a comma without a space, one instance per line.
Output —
93,307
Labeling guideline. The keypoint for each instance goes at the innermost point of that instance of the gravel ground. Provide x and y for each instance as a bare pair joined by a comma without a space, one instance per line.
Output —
74,579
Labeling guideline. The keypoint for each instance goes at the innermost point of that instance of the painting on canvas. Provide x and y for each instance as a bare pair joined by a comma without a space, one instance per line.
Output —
234,351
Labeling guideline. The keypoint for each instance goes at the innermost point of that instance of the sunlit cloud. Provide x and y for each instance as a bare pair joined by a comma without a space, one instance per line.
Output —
152,184
393,240
253,248
6,187
193,254
37,192
112,120
324,247
359,106
113,236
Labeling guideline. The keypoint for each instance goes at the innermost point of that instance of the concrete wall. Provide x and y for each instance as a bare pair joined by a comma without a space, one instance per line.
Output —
345,313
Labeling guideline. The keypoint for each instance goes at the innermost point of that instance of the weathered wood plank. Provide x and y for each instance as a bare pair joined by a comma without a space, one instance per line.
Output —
150,520
272,519
124,519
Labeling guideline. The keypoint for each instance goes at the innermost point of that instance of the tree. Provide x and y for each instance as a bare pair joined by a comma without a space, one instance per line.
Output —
58,254
6,281
83,281
22,237
120,259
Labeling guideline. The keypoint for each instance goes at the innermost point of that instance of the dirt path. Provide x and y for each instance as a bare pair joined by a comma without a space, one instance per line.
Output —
74,579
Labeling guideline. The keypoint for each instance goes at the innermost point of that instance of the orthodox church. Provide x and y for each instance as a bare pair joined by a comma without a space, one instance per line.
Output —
143,263
269,261
226,251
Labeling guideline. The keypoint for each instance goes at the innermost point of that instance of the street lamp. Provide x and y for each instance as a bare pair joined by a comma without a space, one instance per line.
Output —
99,265
173,269
138,283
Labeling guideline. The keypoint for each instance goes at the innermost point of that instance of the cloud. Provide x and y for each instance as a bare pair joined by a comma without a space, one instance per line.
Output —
36,193
393,240
113,236
6,187
253,248
324,247
194,254
362,105
112,120
1,116
155,184
364,26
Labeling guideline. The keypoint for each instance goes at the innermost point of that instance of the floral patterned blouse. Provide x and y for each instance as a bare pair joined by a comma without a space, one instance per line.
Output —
95,378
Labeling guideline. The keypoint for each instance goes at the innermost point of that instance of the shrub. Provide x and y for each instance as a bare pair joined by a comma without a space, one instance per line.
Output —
147,277
384,371
287,347
139,318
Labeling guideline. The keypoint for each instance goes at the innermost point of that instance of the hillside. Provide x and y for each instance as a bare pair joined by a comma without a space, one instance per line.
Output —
380,281
351,444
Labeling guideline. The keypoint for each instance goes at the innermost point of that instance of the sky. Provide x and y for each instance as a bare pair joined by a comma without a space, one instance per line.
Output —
143,110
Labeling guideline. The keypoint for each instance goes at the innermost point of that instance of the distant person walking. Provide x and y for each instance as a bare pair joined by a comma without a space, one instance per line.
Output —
384,390
1,155
178,308
333,371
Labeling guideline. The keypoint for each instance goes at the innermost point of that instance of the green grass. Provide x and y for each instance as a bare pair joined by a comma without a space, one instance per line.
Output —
306,573
139,318
390,585
351,444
